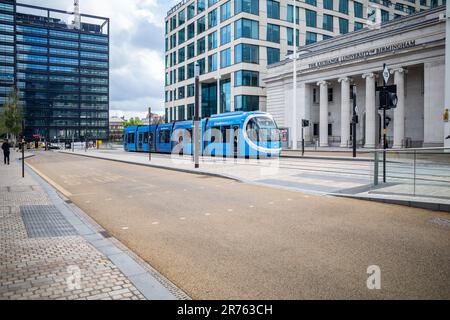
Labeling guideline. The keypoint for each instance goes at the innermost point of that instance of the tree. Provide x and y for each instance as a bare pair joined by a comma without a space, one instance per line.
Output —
133,122
12,115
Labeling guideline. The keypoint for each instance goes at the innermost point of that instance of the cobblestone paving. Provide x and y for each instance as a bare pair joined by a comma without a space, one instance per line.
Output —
65,267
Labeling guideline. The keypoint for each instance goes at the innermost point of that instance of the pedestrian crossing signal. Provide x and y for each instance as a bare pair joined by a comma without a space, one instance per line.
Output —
388,97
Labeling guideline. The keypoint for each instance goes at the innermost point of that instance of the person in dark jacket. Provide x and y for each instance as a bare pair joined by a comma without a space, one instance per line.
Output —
6,151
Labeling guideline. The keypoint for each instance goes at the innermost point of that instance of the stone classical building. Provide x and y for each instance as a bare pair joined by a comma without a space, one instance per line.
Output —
413,48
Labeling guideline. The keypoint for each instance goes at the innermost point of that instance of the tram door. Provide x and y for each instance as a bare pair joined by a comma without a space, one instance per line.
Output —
227,140
235,141
140,141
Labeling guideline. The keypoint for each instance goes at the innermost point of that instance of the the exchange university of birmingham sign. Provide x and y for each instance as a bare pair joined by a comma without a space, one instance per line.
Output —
364,54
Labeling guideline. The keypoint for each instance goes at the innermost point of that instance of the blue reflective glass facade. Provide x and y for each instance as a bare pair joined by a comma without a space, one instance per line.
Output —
62,72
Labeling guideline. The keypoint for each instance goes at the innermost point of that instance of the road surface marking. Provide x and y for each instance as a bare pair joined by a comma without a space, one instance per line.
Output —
252,206
207,214
271,202
155,223
108,199
125,228
182,218
230,210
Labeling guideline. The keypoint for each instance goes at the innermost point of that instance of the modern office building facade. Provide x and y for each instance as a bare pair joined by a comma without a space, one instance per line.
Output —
59,62
234,41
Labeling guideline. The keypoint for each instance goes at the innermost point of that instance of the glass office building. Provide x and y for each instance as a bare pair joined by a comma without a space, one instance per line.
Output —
234,41
60,67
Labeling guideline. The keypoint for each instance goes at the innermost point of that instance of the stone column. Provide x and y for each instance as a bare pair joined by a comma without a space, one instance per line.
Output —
399,112
345,112
371,112
323,113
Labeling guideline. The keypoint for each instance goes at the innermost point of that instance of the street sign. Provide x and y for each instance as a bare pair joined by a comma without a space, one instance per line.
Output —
386,74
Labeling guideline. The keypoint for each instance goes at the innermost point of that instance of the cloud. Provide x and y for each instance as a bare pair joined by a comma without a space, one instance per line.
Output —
137,49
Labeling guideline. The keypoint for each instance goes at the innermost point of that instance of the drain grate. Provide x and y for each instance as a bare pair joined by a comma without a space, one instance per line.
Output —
441,222
45,221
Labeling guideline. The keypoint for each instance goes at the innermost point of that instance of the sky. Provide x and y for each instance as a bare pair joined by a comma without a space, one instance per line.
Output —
137,50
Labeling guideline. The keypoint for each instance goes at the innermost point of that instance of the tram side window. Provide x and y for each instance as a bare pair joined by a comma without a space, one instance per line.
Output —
164,136
225,134
145,137
131,138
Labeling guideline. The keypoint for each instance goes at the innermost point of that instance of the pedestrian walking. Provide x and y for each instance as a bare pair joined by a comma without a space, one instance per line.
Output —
6,151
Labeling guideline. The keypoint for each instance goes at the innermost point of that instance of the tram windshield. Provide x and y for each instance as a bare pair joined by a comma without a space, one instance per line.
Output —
263,129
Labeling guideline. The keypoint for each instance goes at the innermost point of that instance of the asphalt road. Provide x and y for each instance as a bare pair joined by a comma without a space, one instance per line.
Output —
220,239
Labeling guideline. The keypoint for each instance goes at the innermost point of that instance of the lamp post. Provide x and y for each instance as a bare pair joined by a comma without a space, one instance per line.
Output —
23,148
294,83
197,117
447,76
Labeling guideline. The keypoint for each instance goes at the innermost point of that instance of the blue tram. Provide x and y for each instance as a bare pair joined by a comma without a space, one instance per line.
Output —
237,134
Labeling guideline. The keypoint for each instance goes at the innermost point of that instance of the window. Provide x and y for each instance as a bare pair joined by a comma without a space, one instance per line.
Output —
328,22
358,26
191,31
273,9
212,40
181,17
311,2
6,17
246,78
246,28
164,135
212,19
190,90
343,6
181,113
384,15
191,51
273,55
191,109
181,93
315,100
246,53
191,11
249,6
202,66
190,70
328,4
311,18
273,33
212,62
181,74
225,11
330,94
200,6
6,28
173,41
343,25
246,103
201,26
358,9
225,35
181,55
290,37
290,14
212,2
225,58
311,37
181,36
201,46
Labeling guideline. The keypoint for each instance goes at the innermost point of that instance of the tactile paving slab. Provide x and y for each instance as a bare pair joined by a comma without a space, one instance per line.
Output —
45,221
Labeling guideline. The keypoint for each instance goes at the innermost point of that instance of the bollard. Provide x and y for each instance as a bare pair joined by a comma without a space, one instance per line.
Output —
375,169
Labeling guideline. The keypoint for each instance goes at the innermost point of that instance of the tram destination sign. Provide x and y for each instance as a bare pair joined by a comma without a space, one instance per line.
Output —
364,54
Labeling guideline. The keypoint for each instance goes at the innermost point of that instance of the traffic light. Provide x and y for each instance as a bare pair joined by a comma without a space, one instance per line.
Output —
305,123
388,97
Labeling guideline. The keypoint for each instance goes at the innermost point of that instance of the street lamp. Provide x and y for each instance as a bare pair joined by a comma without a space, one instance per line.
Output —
447,75
197,117
294,88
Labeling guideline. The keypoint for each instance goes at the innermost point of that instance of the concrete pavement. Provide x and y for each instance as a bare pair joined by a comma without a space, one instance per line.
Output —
51,250
221,239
